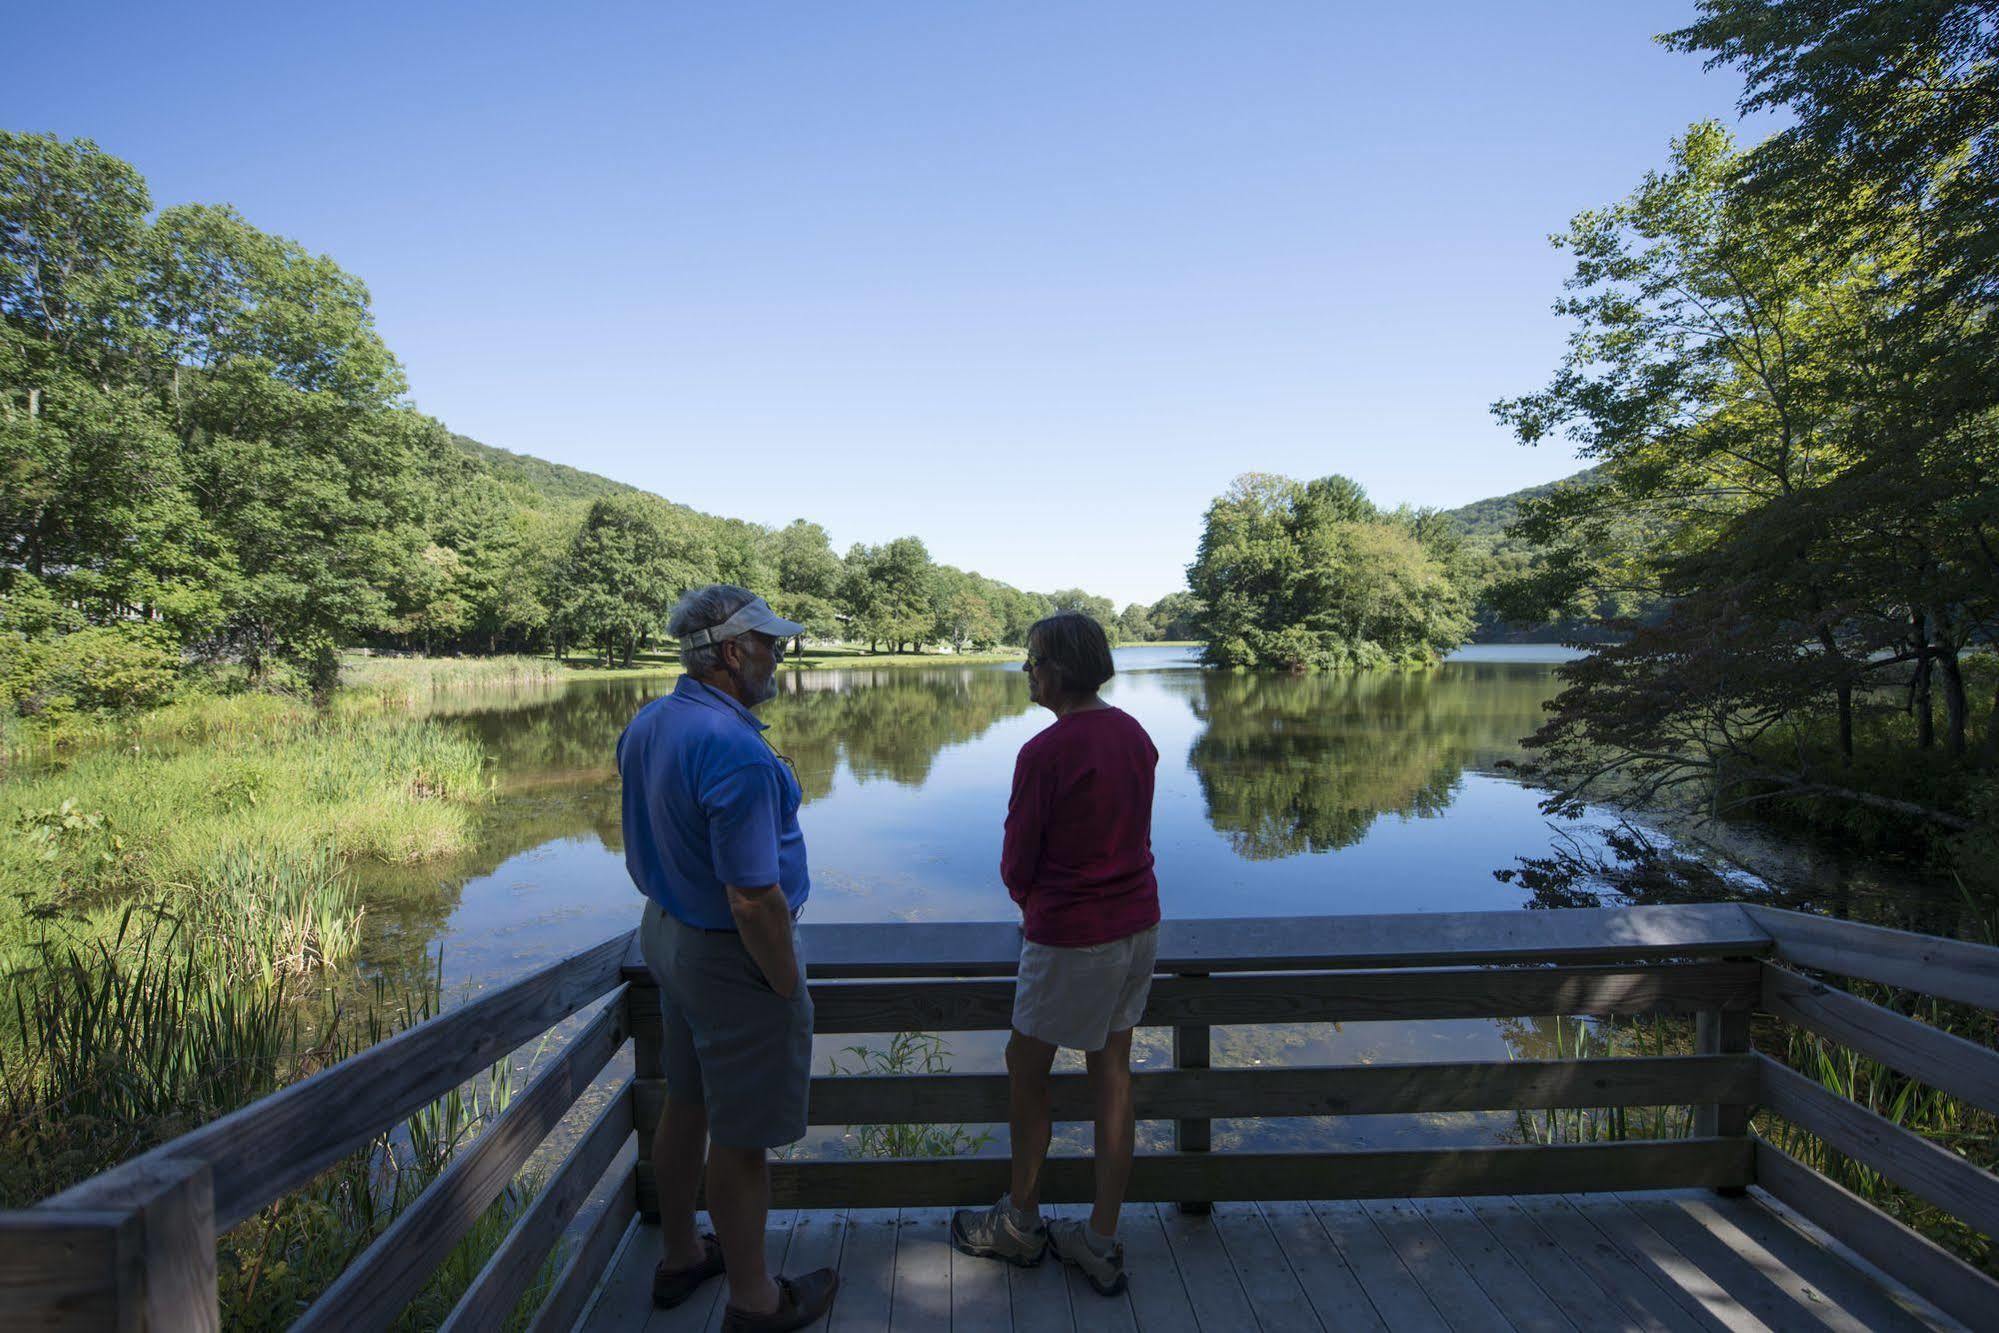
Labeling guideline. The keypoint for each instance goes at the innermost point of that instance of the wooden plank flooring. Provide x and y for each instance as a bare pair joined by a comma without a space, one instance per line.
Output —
1665,1261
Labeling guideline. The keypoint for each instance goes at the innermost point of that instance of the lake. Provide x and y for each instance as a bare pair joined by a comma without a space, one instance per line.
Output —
1277,795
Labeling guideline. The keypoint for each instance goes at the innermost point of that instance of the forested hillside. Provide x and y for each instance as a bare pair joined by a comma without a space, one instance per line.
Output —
210,456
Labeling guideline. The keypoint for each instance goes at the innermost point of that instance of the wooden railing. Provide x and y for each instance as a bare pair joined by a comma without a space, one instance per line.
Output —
135,1247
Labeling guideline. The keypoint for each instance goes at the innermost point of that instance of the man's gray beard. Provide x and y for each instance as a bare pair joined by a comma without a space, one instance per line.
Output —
759,692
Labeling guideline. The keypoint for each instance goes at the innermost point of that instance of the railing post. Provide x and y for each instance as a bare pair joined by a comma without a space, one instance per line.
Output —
142,1259
648,1071
1190,1051
1722,1032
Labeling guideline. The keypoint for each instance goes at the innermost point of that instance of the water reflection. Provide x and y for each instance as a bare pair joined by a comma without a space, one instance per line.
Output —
1292,764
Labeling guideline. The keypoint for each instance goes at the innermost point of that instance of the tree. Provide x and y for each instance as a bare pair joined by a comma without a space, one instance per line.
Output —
1814,477
1177,615
628,564
887,594
1312,575
808,578
1134,623
1074,601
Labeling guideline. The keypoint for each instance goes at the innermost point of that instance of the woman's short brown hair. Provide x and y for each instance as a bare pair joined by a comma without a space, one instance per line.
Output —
1075,646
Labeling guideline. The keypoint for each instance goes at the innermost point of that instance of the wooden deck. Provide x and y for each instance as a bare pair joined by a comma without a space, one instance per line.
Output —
1676,1260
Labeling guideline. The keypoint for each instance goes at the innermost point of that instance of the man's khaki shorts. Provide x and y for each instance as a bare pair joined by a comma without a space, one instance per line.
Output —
731,1042
1078,997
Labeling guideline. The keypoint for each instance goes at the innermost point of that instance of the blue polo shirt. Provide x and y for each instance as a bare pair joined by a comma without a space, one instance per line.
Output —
707,803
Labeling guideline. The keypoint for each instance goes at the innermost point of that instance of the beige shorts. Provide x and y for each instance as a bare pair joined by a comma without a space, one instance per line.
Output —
1078,997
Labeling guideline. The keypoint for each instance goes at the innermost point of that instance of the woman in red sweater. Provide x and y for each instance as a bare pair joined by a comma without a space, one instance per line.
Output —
1078,859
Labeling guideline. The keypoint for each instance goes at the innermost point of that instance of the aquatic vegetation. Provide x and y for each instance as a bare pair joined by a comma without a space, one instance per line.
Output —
906,1053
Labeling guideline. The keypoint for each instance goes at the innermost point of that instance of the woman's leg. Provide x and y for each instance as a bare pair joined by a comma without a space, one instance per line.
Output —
1110,1087
1028,1061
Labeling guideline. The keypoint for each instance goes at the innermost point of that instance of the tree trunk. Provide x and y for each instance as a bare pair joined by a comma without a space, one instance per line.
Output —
1991,746
1919,686
1955,706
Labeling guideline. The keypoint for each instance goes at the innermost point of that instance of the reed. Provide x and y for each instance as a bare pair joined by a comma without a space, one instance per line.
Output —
906,1053
1609,1038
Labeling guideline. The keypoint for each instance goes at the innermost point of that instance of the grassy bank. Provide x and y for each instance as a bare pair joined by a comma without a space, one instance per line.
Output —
183,803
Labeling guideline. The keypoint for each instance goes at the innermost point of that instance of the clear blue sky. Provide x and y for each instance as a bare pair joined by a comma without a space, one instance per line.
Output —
1032,281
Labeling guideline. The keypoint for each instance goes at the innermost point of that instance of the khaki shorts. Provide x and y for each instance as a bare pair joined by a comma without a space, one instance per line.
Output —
730,1041
1078,997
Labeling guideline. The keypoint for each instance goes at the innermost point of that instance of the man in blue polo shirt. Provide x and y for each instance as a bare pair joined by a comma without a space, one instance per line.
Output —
712,840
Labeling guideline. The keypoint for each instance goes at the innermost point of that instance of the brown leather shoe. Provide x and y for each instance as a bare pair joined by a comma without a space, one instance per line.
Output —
671,1286
800,1300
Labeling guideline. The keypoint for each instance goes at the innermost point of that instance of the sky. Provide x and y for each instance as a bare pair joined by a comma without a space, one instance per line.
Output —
1029,280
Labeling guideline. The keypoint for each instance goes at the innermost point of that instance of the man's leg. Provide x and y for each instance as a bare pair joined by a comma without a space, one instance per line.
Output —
1028,1060
679,1143
739,1202
1110,1088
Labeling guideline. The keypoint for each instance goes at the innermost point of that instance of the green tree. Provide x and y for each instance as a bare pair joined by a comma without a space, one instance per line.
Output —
1312,575
628,564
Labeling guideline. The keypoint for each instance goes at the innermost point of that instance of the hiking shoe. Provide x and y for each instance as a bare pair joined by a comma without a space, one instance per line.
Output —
1072,1246
800,1300
998,1232
671,1286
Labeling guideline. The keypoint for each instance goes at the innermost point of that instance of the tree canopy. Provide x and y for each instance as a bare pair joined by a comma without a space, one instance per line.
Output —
1294,575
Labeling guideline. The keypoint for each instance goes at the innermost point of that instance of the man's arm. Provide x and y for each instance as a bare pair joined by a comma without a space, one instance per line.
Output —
763,918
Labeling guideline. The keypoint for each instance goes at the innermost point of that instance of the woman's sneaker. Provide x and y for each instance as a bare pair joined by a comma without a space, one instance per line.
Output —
1074,1245
999,1232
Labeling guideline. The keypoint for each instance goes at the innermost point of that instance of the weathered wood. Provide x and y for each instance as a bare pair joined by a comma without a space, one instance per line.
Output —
1814,1258
1574,1291
1213,1290
171,1206
571,1289
624,1293
1340,997
816,1242
1273,1289
1269,944
274,1145
1697,1293
1754,1277
1396,1293
1159,1298
1632,1296
867,1272
511,1270
1951,1064
1720,1032
980,1301
1911,1161
923,1271
1948,969
1191,1133
1329,1283
1926,1267
1671,1080
71,1270
375,1287
1507,1169
647,1027
1498,1274
1443,1279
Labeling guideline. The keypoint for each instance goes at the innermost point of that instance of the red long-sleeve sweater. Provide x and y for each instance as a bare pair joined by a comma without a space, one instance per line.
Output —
1078,850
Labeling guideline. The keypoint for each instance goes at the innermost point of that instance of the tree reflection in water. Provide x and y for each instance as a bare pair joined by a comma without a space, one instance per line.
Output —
1291,764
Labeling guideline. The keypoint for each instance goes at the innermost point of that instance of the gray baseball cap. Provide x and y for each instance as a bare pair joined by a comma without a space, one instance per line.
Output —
755,615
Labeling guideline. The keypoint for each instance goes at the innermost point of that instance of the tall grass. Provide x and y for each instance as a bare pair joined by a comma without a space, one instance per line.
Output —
411,679
230,801
1602,1039
906,1053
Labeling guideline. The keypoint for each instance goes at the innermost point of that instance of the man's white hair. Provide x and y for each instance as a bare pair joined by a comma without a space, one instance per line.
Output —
704,608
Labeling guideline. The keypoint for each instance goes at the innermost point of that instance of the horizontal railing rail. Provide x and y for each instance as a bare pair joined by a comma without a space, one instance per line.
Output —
135,1247
1950,970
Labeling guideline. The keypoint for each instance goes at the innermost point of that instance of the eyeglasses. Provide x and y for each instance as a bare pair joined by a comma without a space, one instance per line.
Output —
1031,662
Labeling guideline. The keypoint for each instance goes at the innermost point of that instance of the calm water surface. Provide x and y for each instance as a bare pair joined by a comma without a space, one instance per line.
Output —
1277,795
